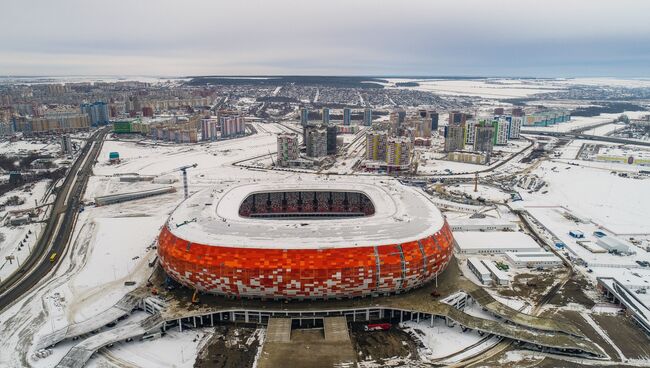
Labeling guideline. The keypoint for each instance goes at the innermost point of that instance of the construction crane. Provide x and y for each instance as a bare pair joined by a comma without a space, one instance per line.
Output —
182,169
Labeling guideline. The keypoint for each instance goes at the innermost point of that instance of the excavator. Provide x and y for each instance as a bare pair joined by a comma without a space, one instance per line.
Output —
195,297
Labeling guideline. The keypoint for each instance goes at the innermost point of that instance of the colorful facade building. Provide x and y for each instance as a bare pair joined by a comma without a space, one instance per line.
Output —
222,253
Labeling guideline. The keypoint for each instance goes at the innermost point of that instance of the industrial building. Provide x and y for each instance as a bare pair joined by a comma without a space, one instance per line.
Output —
494,242
499,277
482,224
479,270
533,259
288,149
124,197
614,244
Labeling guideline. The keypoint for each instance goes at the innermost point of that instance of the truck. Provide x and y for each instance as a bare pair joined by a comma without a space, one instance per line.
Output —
377,327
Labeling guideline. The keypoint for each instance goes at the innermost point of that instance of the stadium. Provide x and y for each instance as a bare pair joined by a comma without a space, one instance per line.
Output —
306,240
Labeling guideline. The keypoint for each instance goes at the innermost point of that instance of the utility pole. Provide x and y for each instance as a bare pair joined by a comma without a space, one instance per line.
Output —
476,181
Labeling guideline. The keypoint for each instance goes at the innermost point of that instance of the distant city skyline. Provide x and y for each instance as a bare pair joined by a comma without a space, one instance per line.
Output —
574,38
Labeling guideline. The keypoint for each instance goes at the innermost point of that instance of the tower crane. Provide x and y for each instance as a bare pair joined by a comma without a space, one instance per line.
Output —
182,169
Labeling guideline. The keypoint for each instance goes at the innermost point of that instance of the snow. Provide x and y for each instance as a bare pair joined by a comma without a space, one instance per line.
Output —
611,201
401,215
440,341
494,242
483,191
175,349
487,88
116,242
35,193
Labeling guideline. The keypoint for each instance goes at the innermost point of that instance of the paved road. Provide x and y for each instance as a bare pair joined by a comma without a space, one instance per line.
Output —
572,135
59,227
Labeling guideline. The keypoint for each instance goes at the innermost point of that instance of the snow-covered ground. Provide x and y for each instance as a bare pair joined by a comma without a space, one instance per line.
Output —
609,200
11,236
25,146
439,340
175,349
487,88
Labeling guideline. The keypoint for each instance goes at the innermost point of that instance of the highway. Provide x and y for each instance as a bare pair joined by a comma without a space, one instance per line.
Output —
59,227
573,135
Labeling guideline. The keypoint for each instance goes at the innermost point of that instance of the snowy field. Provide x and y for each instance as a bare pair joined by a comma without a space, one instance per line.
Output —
486,88
612,201
510,88
22,147
11,236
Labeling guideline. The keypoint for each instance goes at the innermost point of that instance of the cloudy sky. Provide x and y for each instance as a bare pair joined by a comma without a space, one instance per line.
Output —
333,37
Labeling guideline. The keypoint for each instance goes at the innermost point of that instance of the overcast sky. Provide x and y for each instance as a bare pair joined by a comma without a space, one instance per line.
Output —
333,37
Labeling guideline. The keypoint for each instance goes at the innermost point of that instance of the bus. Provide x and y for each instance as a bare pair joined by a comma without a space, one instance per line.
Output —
53,257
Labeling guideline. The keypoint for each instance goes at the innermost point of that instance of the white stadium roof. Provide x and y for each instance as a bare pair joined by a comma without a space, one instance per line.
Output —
402,214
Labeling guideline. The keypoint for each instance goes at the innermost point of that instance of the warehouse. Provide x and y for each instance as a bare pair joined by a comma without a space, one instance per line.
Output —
533,259
479,270
499,277
494,242
123,197
484,224
613,244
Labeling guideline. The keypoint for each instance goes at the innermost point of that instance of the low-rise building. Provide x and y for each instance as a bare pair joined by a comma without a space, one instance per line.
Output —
499,277
479,270
533,259
494,242
484,224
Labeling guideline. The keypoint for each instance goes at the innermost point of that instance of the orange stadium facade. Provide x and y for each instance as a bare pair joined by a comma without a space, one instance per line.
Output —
319,269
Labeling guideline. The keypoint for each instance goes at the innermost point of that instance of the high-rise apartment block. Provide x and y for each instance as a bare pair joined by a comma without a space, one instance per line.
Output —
347,116
326,115
376,143
66,145
331,139
97,112
398,151
209,129
288,148
232,126
483,139
367,117
457,118
304,116
501,127
454,137
316,142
